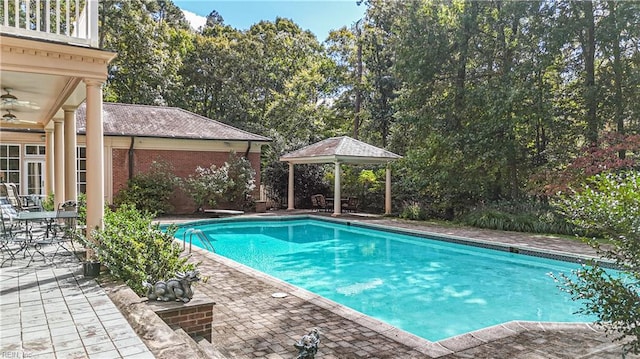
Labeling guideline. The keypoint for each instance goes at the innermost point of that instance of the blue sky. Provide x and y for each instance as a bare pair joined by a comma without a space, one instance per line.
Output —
319,16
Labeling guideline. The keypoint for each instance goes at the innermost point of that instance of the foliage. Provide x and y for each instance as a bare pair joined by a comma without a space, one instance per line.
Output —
82,208
151,38
609,204
521,216
365,184
230,184
485,100
150,191
605,156
49,203
413,211
136,250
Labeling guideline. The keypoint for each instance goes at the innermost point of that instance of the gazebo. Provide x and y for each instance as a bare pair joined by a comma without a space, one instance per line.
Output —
340,150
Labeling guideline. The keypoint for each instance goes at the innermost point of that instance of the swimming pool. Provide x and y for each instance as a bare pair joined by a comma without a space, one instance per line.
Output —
430,288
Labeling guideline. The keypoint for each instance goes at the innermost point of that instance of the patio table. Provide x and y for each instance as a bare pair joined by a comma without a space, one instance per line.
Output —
49,218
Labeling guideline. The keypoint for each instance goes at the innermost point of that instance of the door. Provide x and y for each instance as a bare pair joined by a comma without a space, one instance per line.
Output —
35,177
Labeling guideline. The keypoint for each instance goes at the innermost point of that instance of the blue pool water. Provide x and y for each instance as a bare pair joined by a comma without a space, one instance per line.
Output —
430,288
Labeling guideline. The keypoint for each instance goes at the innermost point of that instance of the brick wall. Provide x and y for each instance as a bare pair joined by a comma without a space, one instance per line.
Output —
194,317
184,163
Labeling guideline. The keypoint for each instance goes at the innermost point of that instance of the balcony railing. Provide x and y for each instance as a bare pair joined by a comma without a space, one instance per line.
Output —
70,21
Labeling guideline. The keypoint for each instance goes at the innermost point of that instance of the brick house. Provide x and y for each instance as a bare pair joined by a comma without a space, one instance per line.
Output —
134,137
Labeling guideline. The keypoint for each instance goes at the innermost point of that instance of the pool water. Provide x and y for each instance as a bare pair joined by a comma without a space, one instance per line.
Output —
430,288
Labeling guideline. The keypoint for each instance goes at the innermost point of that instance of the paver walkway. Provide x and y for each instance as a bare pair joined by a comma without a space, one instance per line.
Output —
49,310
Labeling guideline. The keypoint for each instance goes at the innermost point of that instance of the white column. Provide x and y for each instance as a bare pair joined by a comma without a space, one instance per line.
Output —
95,157
58,161
290,194
70,167
387,192
337,203
49,175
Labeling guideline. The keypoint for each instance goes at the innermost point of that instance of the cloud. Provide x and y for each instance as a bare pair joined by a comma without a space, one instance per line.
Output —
195,20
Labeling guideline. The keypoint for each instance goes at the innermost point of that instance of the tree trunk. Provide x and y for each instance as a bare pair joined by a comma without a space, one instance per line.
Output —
589,50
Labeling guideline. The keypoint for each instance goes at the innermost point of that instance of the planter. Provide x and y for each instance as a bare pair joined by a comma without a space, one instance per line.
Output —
91,269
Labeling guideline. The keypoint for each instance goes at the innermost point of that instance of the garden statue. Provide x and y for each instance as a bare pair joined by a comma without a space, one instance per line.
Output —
308,345
175,289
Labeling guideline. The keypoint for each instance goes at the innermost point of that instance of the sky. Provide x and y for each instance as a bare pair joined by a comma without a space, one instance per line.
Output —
319,16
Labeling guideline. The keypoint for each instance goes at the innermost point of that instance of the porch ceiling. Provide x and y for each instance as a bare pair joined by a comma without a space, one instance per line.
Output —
39,97
45,76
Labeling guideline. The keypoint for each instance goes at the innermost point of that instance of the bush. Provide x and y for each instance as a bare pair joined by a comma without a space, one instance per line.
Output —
150,191
522,216
232,183
610,205
135,250
413,211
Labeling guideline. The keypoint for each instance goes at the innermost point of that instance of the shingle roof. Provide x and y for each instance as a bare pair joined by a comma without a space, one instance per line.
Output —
163,122
342,149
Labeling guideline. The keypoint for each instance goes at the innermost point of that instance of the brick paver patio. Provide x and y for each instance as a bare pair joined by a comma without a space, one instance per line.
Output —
249,323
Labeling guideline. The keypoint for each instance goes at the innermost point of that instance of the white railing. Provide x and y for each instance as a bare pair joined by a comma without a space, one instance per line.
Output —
71,21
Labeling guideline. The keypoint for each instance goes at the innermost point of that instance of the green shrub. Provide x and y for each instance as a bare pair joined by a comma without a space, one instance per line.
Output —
232,183
413,211
609,204
150,191
135,250
521,216
49,203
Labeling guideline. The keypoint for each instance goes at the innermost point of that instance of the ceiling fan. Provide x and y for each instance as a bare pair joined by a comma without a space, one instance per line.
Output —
9,102
8,98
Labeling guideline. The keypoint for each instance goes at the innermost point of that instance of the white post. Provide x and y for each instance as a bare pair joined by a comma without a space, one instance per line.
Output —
290,193
58,160
95,157
92,7
50,175
387,192
337,204
70,167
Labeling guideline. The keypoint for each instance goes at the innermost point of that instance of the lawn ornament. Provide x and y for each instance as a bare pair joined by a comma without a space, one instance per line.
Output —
308,345
175,289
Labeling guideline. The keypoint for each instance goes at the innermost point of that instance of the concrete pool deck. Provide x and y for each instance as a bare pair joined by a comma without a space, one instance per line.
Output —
249,323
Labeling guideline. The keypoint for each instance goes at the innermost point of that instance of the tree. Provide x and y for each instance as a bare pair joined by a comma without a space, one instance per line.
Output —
610,206
150,39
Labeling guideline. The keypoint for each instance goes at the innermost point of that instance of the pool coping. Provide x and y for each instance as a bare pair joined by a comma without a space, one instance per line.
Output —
436,349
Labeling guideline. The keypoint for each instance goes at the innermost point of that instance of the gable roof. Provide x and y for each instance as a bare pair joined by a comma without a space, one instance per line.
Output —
162,122
340,149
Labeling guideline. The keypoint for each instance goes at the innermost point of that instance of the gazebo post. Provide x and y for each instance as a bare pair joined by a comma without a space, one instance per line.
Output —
337,203
290,195
387,191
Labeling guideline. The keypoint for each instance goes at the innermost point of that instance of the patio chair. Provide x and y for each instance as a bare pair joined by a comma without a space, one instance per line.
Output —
20,203
351,205
12,237
64,229
318,202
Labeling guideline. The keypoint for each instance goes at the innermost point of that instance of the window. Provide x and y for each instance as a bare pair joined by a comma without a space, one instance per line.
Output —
34,150
10,164
81,156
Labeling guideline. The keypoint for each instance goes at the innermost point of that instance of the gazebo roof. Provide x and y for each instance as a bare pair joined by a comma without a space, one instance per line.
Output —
342,149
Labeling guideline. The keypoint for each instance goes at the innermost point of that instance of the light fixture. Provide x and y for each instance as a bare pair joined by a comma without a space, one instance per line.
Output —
8,98
9,117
